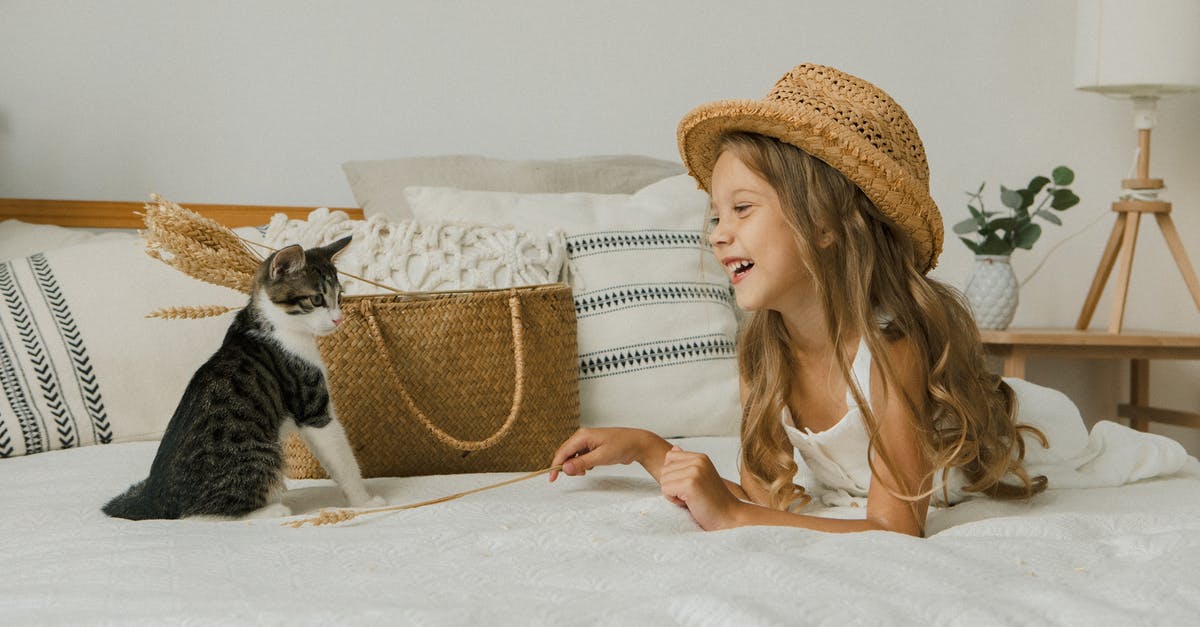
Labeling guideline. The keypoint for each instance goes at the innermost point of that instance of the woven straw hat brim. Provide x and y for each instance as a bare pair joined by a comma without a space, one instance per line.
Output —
897,194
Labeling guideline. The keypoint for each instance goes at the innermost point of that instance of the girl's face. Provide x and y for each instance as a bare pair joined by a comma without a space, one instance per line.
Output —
751,239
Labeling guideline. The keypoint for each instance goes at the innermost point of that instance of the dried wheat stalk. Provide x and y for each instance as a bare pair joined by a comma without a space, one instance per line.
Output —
337,516
197,246
200,248
190,313
203,249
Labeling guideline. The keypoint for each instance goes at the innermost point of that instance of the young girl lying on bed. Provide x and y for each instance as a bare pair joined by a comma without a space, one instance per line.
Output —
852,356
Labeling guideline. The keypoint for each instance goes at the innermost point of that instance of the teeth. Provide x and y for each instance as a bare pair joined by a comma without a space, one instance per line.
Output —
738,266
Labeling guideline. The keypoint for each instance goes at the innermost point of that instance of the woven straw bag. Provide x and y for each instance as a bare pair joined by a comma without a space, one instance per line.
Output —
451,382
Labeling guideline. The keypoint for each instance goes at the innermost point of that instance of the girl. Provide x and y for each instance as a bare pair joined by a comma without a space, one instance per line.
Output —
852,356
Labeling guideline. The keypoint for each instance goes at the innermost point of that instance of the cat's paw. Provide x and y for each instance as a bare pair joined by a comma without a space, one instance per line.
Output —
368,501
274,510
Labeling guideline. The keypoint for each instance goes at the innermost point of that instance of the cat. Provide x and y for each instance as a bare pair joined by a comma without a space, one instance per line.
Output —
221,454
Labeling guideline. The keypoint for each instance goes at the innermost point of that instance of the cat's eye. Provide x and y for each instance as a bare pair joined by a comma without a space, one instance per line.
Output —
318,300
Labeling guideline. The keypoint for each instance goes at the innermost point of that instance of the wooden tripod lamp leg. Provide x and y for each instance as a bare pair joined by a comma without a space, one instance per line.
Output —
1128,244
1167,226
1102,273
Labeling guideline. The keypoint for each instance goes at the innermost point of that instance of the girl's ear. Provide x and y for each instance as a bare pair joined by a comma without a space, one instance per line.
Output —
826,238
287,261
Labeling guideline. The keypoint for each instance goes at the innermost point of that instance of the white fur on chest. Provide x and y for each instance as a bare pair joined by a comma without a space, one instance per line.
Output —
302,345
292,334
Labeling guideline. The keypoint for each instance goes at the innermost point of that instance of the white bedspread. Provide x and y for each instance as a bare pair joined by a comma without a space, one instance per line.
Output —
605,549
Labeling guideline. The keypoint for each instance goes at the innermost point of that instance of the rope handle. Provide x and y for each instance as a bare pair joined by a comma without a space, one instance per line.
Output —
518,331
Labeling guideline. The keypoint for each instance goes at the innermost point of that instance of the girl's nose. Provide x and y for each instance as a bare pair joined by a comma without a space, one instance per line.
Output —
718,235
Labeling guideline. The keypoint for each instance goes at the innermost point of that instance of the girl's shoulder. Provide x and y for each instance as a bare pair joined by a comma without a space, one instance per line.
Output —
908,369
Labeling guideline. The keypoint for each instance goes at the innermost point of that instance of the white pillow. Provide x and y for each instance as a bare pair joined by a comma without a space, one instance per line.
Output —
21,239
656,317
378,186
426,256
80,363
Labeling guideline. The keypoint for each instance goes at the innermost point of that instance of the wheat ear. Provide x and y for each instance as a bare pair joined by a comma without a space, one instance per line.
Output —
197,246
191,312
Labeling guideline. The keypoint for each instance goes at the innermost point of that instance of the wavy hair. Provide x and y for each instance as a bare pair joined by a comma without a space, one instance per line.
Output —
966,418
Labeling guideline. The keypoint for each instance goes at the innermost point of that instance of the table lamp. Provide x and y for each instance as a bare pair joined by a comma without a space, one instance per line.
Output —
1139,51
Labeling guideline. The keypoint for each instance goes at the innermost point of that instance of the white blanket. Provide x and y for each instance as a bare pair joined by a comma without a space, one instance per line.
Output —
603,549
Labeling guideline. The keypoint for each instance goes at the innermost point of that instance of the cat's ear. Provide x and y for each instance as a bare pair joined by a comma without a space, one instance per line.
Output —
287,261
332,249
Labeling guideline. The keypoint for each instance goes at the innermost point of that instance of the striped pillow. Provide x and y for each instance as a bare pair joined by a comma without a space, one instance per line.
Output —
80,364
656,315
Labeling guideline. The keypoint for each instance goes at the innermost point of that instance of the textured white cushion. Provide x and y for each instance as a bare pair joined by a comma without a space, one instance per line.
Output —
378,186
426,256
656,316
80,363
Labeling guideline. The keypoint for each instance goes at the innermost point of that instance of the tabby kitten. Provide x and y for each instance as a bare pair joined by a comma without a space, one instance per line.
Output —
221,453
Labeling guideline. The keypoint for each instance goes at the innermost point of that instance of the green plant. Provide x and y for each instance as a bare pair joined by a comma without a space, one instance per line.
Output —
1002,232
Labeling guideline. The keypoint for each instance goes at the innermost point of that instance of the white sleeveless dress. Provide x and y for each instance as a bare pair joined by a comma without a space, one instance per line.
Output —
834,469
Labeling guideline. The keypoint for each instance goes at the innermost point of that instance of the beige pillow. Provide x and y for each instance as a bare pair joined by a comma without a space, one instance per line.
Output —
82,364
378,186
21,239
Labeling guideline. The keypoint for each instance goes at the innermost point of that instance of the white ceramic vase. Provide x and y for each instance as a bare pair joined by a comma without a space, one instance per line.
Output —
992,292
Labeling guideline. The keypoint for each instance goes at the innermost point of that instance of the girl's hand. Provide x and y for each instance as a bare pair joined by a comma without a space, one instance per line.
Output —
690,480
588,448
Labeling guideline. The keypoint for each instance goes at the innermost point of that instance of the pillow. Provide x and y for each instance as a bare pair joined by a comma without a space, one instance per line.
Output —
428,256
378,186
656,316
21,239
80,363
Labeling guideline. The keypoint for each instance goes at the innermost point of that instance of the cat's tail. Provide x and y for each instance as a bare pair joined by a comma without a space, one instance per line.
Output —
133,504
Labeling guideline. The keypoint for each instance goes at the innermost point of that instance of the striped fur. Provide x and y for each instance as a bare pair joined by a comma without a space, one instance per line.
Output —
221,455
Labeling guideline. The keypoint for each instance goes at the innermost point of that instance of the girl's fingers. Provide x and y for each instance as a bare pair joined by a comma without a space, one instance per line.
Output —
574,446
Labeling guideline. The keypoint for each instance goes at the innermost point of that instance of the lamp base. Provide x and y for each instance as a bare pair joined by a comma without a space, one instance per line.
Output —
1122,242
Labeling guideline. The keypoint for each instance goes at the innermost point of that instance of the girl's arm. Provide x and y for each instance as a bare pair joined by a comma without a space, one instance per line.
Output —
690,479
588,448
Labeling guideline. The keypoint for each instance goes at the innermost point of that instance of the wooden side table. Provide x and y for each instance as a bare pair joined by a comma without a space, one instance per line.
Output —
1139,347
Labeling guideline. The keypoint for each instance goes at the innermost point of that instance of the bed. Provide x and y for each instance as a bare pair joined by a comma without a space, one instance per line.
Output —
600,549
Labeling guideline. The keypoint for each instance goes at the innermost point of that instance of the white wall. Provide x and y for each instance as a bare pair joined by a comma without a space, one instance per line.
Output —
260,102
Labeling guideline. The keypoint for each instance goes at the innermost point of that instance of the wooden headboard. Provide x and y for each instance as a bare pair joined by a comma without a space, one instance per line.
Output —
121,215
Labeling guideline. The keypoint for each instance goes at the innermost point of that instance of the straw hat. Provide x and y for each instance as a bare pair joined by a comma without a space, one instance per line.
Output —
842,120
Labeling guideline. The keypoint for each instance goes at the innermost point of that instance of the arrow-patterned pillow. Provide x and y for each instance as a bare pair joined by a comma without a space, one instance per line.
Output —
80,363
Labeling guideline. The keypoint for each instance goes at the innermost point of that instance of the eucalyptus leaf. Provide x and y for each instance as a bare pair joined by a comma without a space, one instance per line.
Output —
1063,175
1063,199
1027,236
972,245
1007,224
994,246
1045,215
1036,185
966,226
1010,198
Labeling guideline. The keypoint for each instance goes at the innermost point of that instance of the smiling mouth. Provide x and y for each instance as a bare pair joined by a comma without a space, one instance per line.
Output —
738,269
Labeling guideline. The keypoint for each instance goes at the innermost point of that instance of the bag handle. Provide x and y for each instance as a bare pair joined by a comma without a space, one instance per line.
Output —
518,332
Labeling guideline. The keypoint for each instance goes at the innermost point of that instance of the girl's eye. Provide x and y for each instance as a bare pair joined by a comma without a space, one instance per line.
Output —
318,300
740,208
713,220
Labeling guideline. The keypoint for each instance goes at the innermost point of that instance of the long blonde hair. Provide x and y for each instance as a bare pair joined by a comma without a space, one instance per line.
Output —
966,418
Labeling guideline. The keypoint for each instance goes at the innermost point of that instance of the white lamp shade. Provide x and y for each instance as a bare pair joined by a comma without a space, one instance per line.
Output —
1137,47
